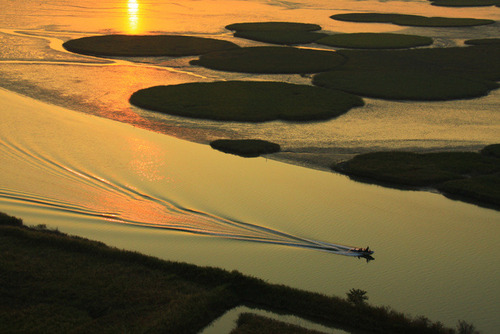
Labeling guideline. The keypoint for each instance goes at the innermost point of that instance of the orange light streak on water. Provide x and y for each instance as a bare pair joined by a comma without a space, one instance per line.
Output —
133,16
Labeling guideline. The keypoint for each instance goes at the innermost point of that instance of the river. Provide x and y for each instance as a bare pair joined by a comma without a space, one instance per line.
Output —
128,184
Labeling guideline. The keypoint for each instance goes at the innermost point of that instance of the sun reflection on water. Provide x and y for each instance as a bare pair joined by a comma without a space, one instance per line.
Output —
133,16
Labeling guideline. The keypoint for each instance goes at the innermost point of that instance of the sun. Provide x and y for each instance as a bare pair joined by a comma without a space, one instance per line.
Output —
133,16
133,7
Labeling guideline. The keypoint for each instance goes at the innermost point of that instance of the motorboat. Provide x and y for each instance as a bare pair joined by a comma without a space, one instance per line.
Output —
362,251
365,253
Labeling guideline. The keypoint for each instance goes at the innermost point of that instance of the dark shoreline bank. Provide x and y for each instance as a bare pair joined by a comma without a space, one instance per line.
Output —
54,282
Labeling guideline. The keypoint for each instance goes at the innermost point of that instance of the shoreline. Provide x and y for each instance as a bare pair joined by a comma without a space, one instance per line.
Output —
205,293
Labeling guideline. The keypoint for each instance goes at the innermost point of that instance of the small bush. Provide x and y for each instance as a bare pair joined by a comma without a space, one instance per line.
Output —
465,328
357,297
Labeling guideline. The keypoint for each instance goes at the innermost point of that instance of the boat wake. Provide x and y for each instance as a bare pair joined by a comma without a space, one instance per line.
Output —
167,216
122,179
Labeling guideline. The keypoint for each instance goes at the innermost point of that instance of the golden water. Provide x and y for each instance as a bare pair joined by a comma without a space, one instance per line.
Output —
178,200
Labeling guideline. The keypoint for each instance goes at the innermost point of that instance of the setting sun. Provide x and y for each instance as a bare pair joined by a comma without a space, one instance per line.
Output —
133,17
133,7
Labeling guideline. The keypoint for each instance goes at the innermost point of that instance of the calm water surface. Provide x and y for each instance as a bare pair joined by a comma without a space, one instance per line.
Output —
131,188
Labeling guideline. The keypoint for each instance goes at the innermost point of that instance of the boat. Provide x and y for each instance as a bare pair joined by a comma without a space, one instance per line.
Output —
365,253
362,251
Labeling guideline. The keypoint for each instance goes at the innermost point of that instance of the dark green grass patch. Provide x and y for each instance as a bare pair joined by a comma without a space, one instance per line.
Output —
251,323
375,41
281,37
484,188
54,283
285,33
491,150
145,46
245,147
9,220
271,59
475,62
402,84
415,169
465,3
417,74
472,176
273,26
483,41
410,20
246,101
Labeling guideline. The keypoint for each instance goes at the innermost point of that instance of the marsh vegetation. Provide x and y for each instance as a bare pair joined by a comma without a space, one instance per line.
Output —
410,20
245,147
246,101
375,41
52,282
146,46
271,60
471,176
417,74
287,33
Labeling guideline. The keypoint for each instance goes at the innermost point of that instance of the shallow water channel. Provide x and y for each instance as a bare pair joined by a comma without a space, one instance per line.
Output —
178,200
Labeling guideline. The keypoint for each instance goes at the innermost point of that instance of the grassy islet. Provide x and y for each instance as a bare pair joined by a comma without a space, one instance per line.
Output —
375,41
246,101
245,147
146,45
271,60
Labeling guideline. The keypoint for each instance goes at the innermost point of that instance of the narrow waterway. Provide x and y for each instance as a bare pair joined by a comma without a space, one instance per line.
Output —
140,190
144,190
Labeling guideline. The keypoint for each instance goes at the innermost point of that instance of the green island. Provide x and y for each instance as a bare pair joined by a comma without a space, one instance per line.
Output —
465,3
410,20
273,26
286,33
281,37
271,60
245,147
246,101
55,283
428,74
146,45
375,41
468,176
